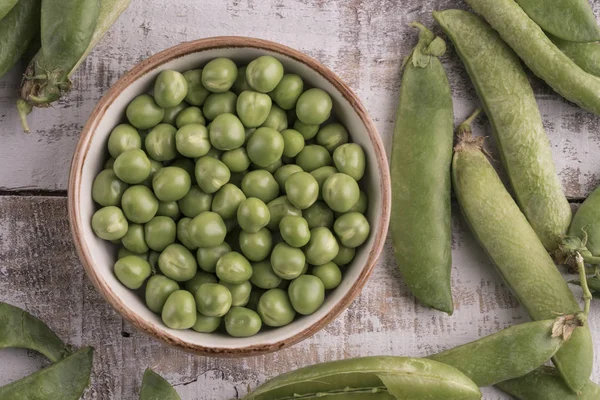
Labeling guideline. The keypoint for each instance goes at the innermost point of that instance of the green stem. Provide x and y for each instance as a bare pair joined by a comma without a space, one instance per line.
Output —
465,127
24,109
587,295
589,259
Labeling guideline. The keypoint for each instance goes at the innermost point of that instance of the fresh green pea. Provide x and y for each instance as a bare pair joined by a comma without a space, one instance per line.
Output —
314,106
284,172
264,74
109,223
352,229
211,174
214,153
227,200
307,294
236,160
253,108
179,311
294,230
122,138
219,75
213,299
206,324
265,146
302,189
198,280
332,136
152,257
321,174
308,131
191,115
123,252
134,239
219,103
160,143
197,93
207,257
340,192
345,255
132,271
256,246
108,189
318,215
155,387
160,232
263,275
240,84
277,119
171,183
312,157
293,142
170,88
158,290
329,274
139,204
227,132
154,166
275,309
260,184
207,229
177,263
349,159
192,140
169,209
361,205
287,262
195,202
132,166
287,92
242,322
240,292
279,208
172,113
322,246
272,168
183,234
233,268
253,215
144,113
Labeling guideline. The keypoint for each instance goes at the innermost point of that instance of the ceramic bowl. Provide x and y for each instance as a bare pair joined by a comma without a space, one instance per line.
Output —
98,256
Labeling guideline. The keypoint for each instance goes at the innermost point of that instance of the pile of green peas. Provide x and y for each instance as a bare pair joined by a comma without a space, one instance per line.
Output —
227,216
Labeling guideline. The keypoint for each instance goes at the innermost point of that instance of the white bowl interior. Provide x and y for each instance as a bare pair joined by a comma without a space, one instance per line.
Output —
103,253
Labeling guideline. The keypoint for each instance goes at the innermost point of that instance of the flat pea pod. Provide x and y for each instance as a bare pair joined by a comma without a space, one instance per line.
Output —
155,387
370,377
571,20
516,121
519,256
546,383
421,230
587,218
17,29
586,55
541,55
6,6
65,380
19,329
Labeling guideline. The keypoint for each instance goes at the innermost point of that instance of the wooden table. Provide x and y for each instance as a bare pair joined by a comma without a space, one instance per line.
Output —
364,42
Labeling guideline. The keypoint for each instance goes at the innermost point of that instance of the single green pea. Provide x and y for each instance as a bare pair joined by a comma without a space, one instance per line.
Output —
340,192
195,202
307,294
352,229
345,255
132,166
275,309
264,74
170,88
219,103
134,239
207,257
253,108
144,113
242,322
306,130
233,268
213,299
122,138
171,183
109,223
171,113
227,132
284,172
240,292
293,142
302,190
322,246
287,262
123,252
177,262
183,233
321,174
179,311
153,260
260,184
256,246
160,232
314,106
154,166
168,209
241,83
253,215
361,205
227,200
108,189
312,157
191,115
265,146
332,136
206,324
132,271
279,208
236,160
198,280
192,140
211,174
160,143
277,119
188,165
158,290
272,168
263,275
287,92
329,274
318,215
349,159
197,93
219,75
207,229
109,163
294,230
214,153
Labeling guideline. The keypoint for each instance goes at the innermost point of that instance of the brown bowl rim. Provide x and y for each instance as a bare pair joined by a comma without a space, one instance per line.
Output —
147,66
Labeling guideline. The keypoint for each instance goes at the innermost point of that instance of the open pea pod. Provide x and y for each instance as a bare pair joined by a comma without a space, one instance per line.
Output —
17,30
22,330
380,378
155,387
64,380
6,6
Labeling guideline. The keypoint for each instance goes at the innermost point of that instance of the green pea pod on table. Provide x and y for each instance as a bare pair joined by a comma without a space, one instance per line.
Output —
542,56
586,223
519,256
420,169
383,377
19,329
64,380
6,6
586,55
17,30
155,387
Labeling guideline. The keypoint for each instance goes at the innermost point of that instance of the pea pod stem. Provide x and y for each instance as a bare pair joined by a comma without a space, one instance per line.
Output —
587,295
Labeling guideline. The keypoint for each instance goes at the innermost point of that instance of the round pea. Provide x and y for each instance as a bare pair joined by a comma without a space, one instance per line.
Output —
233,268
158,290
293,142
260,184
314,106
256,246
219,75
198,280
122,138
153,260
177,263
134,239
352,229
329,274
171,183
263,276
169,209
108,189
306,130
160,232
265,146
345,255
275,309
302,189
279,208
207,257
287,92
332,136
206,324
132,166
109,223
284,172
214,153
318,215
227,200
307,294
264,74
240,292
195,202
242,322
227,132
240,84
349,159
236,160
139,204
340,192
312,157
172,113
144,113
287,262
170,88
154,166
160,143
191,115
219,103
207,229
322,246
183,233
211,174
253,215
179,311
132,271
272,168
321,174
294,230
123,252
253,108
196,93
213,299
277,119
192,140
361,205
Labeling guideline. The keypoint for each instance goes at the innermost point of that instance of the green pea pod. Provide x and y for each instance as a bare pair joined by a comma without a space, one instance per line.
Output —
19,329
587,218
507,354
6,6
17,30
371,378
519,256
586,55
572,20
155,387
546,384
64,380
541,55
420,169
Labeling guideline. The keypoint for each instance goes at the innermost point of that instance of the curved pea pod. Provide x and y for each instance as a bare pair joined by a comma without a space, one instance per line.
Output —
508,354
586,222
64,380
370,378
19,329
516,121
586,55
572,20
6,6
519,256
155,387
420,168
17,30
546,384
542,57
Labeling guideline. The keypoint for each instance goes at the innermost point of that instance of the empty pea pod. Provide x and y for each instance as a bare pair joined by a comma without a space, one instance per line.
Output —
17,30
155,387
586,55
6,6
